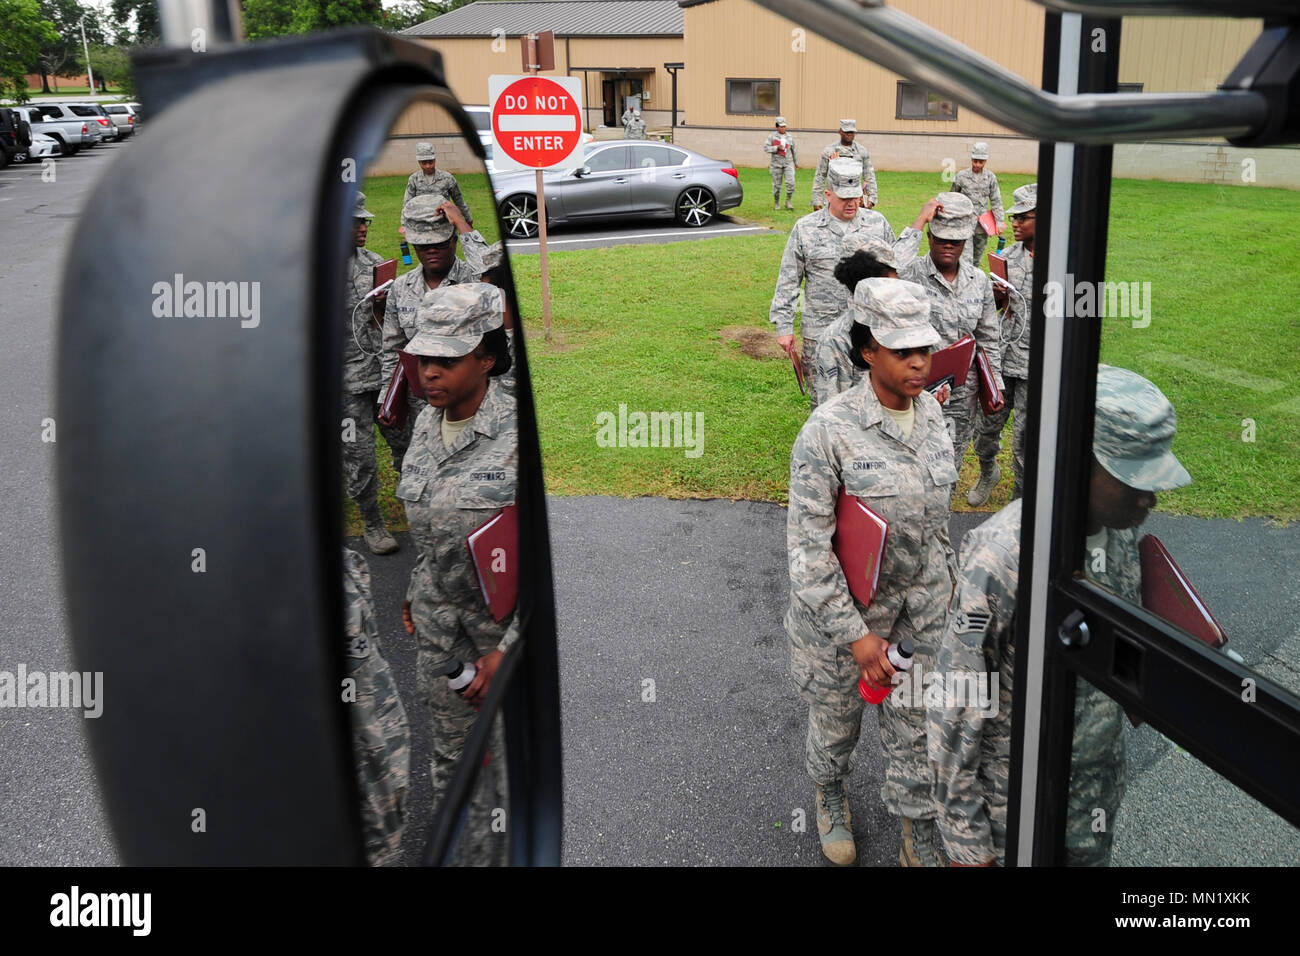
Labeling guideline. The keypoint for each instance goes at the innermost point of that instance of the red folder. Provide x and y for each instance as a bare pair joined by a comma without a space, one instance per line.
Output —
859,543
989,223
494,548
798,371
384,271
998,266
1167,592
411,363
950,365
991,397
394,404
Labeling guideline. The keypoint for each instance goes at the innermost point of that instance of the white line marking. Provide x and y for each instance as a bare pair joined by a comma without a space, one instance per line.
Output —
640,235
536,123
1229,376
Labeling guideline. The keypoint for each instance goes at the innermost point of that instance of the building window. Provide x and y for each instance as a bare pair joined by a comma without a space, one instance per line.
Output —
919,102
1129,88
754,96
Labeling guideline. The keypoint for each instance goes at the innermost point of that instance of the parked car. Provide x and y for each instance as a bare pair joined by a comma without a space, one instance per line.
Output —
42,146
123,118
94,114
618,179
15,136
72,131
138,109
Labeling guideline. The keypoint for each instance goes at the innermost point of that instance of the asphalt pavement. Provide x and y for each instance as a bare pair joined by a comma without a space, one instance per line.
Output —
683,737
639,232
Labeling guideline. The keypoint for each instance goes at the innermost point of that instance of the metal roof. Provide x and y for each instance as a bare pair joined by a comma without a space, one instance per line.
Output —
572,18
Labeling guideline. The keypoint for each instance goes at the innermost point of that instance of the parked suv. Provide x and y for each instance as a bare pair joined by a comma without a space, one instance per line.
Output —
15,137
55,121
123,117
95,115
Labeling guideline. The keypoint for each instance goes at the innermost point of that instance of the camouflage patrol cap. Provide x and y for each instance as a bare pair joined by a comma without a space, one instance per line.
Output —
780,121
979,151
1134,426
848,126
882,252
956,220
423,222
451,320
424,152
1026,198
844,178
897,313
359,210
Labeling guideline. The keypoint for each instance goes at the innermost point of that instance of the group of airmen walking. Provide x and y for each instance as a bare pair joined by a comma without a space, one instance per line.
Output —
873,309
456,455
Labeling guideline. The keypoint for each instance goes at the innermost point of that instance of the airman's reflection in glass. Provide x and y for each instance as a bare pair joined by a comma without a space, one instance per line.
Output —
884,442
970,749
460,471
381,736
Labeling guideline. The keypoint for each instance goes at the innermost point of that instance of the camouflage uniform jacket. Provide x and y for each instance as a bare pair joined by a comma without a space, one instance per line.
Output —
856,151
852,442
361,371
1015,321
772,146
381,735
448,492
634,129
963,307
440,182
812,252
404,297
982,190
836,372
978,640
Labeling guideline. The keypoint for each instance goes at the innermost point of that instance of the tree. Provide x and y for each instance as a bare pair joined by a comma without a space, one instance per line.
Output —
112,65
407,14
273,18
147,30
58,55
25,33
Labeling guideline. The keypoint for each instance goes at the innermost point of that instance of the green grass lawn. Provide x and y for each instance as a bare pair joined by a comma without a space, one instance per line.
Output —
654,327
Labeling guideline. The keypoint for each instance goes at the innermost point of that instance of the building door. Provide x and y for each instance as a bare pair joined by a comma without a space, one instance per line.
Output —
615,92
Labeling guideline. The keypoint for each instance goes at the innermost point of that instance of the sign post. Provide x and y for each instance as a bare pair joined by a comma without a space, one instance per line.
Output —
537,124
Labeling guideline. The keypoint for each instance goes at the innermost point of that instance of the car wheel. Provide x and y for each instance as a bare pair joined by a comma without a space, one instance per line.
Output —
520,215
21,156
696,207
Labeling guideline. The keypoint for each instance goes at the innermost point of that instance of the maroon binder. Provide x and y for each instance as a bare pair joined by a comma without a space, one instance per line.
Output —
859,543
989,223
949,365
998,266
1167,591
494,548
384,271
991,397
798,371
394,405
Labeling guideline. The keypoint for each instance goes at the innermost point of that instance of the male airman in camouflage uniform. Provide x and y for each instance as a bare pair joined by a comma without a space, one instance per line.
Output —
816,245
362,384
450,491
381,736
980,186
853,442
969,747
961,302
430,180
635,127
1015,357
495,272
783,161
433,234
846,148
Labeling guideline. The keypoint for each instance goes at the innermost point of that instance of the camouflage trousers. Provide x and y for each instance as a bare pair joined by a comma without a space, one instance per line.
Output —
811,380
827,681
988,432
360,471
1097,773
784,171
382,749
974,251
399,439
483,840
960,412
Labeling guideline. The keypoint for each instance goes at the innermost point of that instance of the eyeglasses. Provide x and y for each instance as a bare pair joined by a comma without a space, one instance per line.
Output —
1022,217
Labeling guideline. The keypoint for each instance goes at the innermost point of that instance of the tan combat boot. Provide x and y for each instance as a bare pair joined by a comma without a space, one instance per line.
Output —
981,490
918,844
835,823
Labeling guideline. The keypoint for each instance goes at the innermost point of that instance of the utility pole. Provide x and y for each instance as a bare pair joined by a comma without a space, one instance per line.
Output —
86,47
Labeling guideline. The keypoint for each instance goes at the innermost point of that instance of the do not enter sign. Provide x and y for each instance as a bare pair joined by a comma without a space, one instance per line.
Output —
536,122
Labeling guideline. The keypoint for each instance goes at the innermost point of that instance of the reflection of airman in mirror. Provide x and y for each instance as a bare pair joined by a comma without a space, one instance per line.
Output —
431,224
816,245
381,736
961,302
460,470
970,747
885,443
497,273
432,180
1015,355
846,148
362,384
782,162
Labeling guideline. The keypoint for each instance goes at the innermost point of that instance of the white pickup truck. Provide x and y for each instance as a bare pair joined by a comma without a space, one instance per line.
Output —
60,123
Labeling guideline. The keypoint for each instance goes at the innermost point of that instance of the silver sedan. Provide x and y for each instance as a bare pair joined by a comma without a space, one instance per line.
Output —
620,179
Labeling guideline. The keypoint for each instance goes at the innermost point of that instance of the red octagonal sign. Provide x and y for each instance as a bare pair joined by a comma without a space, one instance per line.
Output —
536,121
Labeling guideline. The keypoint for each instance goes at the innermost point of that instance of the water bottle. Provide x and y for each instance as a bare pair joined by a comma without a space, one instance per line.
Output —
406,253
459,675
900,655
1002,241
